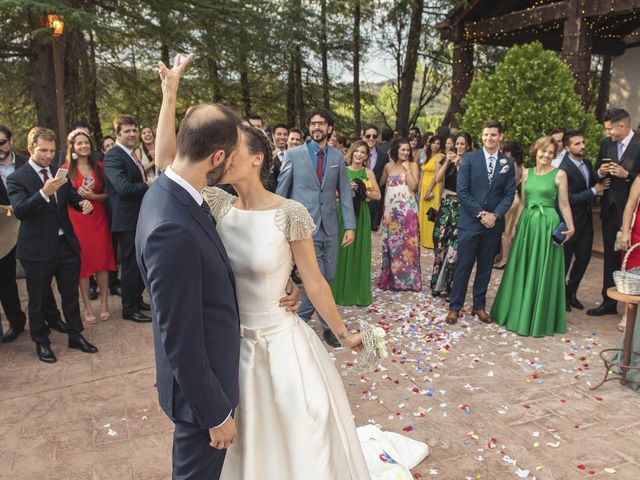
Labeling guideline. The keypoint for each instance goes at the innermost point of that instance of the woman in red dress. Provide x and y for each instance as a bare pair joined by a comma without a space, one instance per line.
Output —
96,251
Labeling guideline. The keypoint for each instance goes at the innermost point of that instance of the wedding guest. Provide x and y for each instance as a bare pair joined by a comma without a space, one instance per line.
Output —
280,136
558,134
47,244
96,253
400,229
583,190
126,185
315,174
146,152
430,190
387,136
619,160
352,282
255,121
296,137
512,150
486,186
377,162
414,143
107,144
631,233
445,233
531,297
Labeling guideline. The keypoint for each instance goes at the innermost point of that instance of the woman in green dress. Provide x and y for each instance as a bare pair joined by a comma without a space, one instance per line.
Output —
352,282
531,297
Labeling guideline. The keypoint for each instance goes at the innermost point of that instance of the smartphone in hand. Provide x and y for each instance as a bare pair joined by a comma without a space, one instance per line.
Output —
62,173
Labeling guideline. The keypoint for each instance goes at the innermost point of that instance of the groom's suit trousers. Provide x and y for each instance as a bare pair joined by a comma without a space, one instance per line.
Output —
193,458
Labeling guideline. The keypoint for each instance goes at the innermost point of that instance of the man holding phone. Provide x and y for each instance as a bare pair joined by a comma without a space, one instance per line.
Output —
47,244
619,160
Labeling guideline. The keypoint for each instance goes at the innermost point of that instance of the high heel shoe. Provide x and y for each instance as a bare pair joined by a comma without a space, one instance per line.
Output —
105,315
89,317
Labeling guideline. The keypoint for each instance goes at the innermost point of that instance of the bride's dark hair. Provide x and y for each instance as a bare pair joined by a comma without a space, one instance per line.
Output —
257,142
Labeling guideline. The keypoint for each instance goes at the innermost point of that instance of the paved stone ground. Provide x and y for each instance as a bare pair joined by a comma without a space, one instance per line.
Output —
490,404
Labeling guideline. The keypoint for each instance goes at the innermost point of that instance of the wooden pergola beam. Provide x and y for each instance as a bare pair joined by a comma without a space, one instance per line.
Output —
597,8
510,22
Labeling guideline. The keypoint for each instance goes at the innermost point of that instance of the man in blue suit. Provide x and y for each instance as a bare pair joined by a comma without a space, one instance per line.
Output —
486,187
312,174
196,328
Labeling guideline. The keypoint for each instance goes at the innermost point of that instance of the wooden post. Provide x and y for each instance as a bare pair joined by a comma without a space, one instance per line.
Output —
462,75
576,48
59,81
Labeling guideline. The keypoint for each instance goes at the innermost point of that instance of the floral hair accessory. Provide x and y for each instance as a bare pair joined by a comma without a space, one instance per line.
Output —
74,133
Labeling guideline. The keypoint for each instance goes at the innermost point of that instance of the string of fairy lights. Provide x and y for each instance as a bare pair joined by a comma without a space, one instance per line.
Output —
619,23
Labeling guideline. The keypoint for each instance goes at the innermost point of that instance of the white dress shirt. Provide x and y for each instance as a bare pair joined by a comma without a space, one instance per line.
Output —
625,141
38,170
197,196
129,152
579,163
495,159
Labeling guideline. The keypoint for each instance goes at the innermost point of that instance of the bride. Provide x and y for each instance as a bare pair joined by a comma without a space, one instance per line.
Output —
293,417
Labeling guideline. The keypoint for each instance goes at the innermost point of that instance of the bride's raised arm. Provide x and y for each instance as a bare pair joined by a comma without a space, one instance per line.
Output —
166,131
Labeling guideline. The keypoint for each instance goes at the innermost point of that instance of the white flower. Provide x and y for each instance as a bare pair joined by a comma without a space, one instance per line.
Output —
379,332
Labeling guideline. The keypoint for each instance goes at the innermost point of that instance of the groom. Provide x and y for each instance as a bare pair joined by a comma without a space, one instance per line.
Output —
486,187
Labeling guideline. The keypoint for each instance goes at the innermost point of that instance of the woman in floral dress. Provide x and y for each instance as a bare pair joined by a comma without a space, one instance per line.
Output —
445,233
400,228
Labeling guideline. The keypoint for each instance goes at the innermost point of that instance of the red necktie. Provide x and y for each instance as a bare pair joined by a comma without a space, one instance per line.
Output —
320,159
45,174
139,165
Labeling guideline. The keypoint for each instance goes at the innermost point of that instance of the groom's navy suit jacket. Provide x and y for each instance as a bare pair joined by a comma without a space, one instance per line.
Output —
196,328
477,195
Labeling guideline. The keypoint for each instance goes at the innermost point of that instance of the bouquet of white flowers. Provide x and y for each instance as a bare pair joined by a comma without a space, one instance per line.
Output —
374,350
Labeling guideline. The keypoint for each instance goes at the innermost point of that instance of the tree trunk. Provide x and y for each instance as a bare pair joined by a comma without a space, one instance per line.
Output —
299,97
214,78
244,84
461,77
92,81
74,49
604,89
291,94
357,122
324,54
405,88
43,88
576,48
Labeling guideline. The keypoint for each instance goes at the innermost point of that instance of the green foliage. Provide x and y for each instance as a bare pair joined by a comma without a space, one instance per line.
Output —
531,92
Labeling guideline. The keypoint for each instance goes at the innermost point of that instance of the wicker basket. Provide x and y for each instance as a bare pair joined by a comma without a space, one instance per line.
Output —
628,281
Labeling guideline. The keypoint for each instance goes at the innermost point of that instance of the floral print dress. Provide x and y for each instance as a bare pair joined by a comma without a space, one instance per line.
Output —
400,238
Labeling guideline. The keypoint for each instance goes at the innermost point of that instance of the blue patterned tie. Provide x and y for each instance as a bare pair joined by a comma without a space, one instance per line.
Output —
207,211
620,151
492,161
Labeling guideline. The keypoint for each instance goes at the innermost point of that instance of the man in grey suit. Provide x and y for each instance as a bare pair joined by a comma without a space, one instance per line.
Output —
311,174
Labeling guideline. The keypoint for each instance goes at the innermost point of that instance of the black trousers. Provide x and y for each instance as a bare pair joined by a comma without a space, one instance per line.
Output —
193,458
611,222
579,246
131,284
65,267
9,291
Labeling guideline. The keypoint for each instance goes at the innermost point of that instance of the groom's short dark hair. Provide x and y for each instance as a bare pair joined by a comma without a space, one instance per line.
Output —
492,124
205,129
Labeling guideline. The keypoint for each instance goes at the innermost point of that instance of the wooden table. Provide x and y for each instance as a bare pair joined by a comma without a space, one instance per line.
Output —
631,302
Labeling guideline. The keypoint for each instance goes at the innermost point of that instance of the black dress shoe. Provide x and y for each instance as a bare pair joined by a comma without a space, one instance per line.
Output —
93,293
602,310
137,317
12,334
115,291
45,354
331,339
574,302
59,326
80,343
144,306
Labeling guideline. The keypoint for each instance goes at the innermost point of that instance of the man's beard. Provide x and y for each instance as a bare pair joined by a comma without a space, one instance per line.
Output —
4,155
323,136
214,176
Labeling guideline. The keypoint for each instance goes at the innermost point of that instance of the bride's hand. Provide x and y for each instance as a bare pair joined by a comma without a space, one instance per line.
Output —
171,77
353,340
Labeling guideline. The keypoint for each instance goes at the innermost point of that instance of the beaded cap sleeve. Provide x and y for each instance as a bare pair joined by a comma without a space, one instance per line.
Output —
293,219
219,201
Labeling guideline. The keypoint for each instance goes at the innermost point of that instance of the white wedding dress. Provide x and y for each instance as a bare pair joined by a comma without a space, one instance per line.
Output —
294,421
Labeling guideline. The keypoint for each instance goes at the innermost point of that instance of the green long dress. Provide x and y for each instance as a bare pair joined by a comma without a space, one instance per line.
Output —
352,283
531,298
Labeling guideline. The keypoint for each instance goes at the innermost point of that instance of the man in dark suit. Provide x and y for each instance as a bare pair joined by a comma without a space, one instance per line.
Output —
583,189
486,187
619,160
378,158
47,245
184,264
126,185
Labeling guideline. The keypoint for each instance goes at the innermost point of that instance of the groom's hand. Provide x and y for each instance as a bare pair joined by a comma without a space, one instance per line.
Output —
291,303
224,435
488,219
349,237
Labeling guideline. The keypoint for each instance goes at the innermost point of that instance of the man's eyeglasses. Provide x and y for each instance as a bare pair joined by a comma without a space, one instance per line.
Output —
317,124
3,142
371,136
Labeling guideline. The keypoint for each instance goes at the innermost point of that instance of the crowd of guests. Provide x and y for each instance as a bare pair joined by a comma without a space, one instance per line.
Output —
472,202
